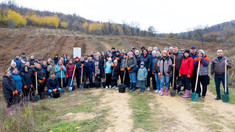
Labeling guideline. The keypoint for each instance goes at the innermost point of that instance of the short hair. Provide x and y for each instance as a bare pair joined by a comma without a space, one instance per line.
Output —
137,51
164,51
154,52
13,63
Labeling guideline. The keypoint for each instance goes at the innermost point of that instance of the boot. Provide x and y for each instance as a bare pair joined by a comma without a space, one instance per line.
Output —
10,111
187,94
161,91
130,86
143,89
166,91
134,86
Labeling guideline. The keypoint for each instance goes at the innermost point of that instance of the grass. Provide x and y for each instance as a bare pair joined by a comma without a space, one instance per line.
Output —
48,114
212,88
139,102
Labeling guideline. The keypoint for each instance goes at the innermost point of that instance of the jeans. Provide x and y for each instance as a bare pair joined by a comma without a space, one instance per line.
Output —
142,84
50,91
218,78
132,77
186,82
69,81
157,81
165,79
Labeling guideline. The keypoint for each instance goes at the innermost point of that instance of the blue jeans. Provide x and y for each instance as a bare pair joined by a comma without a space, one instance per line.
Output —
50,91
165,79
132,77
69,81
218,78
157,81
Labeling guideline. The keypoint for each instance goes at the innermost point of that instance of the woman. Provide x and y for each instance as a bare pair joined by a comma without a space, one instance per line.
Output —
12,67
146,58
27,82
131,64
101,66
203,72
97,69
115,73
155,70
164,71
58,69
108,72
9,91
69,72
186,70
17,79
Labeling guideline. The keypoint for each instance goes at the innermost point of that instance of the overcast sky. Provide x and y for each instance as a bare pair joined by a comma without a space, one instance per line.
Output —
167,16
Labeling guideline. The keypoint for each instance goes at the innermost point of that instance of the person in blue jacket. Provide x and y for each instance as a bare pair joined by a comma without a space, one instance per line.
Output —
18,62
52,85
91,69
108,72
58,69
17,79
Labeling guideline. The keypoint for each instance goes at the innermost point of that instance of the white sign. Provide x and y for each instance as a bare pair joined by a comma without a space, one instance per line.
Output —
77,52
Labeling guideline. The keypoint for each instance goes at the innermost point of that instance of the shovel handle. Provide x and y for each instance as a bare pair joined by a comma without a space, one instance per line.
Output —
198,70
225,76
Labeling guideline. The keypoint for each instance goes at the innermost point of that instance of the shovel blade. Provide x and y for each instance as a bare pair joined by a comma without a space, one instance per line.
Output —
173,92
225,98
194,96
81,87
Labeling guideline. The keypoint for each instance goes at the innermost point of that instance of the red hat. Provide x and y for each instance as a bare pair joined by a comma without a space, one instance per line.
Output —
76,57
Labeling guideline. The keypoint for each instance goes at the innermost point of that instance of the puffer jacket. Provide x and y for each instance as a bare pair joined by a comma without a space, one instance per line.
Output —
52,84
58,71
69,69
165,66
8,86
26,78
155,64
18,81
142,74
203,71
108,67
131,62
147,60
186,67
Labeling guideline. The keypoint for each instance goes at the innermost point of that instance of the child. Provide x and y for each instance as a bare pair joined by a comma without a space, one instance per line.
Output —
108,72
52,85
142,75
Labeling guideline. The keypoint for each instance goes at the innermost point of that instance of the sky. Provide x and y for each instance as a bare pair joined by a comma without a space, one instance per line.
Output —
166,16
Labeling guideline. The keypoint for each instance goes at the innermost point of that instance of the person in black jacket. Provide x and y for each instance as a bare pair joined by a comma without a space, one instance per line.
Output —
77,71
9,91
91,69
52,85
27,82
83,66
115,72
146,58
41,77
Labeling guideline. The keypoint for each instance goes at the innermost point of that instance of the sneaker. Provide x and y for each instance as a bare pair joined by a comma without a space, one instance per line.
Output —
49,96
148,88
156,91
106,87
217,98
110,86
114,87
117,87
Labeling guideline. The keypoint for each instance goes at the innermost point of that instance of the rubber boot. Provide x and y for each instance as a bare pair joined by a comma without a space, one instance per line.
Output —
10,111
161,91
134,86
187,94
143,89
130,86
166,91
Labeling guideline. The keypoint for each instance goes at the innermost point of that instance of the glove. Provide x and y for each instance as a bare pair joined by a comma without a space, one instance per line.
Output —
40,81
159,75
200,59
188,76
35,73
54,90
82,66
61,68
16,92
122,69
117,58
31,85
44,78
67,76
95,75
13,93
25,87
75,67
112,65
129,68
179,75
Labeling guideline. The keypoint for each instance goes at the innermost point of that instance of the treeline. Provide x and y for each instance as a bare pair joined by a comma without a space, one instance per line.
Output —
13,16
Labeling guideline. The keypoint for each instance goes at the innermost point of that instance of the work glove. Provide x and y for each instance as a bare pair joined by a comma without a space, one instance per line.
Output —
25,87
188,76
122,69
61,68
129,68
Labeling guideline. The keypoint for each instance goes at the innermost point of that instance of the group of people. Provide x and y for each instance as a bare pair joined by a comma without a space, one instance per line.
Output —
135,69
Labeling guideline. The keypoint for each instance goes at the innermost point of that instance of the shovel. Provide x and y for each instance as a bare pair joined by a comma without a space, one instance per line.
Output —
225,97
71,87
81,87
36,92
122,86
194,95
173,91
62,86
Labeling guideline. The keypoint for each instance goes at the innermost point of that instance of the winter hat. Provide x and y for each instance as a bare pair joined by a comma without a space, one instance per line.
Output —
108,51
142,47
23,54
113,48
115,61
137,51
117,51
202,51
39,59
193,47
186,51
155,48
76,57
133,47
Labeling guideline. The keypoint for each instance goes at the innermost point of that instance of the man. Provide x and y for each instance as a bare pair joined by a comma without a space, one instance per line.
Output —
41,77
176,64
51,67
113,50
133,50
150,49
40,61
77,71
193,54
23,59
32,60
67,60
171,50
52,85
218,71
56,58
18,62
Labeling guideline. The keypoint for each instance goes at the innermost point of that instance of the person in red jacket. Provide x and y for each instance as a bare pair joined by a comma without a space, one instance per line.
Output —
69,72
186,70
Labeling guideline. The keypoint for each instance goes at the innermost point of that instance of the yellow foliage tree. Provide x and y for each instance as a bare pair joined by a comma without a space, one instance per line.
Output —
63,24
3,16
51,21
15,17
85,25
94,27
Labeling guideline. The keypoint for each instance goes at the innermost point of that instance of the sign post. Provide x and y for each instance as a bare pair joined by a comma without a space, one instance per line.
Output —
77,52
